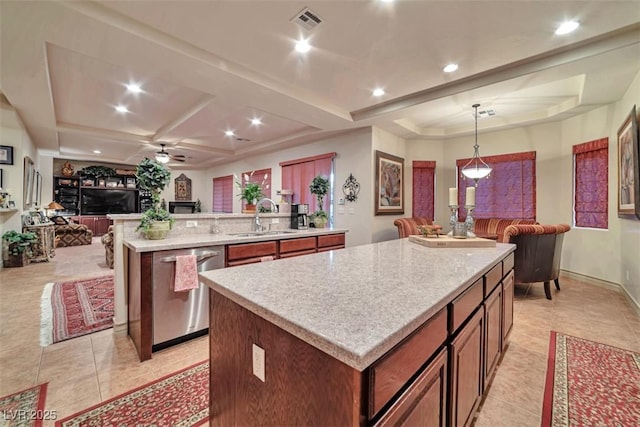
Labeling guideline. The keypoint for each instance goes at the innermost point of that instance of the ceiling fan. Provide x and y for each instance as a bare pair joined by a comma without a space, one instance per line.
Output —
164,157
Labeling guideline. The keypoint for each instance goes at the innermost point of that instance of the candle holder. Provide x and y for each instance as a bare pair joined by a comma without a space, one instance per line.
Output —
469,221
453,219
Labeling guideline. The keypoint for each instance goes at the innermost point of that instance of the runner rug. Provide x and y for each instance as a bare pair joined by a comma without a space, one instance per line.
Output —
179,399
590,384
75,308
25,408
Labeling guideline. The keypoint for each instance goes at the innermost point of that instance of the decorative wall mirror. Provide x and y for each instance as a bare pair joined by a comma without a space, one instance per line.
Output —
28,183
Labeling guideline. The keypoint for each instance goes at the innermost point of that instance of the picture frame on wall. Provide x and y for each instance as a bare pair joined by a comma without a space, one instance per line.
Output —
28,184
389,191
629,167
6,155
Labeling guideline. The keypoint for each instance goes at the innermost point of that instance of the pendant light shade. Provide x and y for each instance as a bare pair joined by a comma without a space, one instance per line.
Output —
162,157
476,168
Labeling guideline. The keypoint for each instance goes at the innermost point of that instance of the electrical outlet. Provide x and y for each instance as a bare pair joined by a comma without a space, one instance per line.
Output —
275,220
258,362
191,224
627,275
341,201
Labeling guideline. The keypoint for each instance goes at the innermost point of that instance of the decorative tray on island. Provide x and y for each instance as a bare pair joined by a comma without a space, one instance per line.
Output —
450,242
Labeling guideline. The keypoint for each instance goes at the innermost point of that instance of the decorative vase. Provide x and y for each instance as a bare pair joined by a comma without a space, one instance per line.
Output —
158,230
249,208
320,222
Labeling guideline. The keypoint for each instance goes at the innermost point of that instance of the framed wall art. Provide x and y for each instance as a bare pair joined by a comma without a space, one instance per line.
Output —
6,155
629,167
29,183
183,188
389,184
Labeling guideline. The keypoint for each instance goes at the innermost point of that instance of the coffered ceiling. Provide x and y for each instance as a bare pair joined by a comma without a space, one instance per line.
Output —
207,67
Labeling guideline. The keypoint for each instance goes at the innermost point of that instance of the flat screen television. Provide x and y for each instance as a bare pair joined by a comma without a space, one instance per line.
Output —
108,201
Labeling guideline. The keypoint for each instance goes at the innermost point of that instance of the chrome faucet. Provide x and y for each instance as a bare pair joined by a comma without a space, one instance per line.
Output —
258,223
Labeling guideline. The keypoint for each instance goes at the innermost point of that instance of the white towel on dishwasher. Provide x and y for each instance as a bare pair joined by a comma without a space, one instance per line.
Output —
186,273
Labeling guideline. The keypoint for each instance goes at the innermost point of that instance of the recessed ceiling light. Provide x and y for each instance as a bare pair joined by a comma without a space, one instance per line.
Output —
567,27
256,121
122,109
134,88
303,46
229,133
387,1
97,151
378,92
450,68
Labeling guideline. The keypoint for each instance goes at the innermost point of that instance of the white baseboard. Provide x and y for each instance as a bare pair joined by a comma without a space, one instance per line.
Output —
120,328
604,284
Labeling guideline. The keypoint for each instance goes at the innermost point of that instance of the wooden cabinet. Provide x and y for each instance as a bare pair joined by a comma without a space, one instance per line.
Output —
466,353
295,247
507,306
493,333
248,253
98,224
424,403
330,242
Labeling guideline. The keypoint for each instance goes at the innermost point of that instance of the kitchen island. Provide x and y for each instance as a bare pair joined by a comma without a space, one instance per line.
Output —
390,333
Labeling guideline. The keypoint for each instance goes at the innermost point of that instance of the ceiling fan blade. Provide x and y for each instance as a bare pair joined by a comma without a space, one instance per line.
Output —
177,158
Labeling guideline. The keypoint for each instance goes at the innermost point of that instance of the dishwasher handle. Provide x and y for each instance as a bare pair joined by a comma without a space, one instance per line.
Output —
199,257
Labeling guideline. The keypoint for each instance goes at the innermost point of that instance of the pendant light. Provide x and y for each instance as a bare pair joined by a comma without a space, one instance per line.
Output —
476,169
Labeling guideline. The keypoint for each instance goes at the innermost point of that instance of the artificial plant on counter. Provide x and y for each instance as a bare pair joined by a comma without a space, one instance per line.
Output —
320,187
154,177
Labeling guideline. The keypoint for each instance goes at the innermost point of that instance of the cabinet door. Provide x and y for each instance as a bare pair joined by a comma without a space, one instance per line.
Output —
493,332
507,308
89,221
466,371
101,226
424,403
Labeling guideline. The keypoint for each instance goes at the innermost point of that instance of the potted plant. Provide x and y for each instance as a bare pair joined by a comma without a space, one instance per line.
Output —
250,191
17,248
156,221
319,187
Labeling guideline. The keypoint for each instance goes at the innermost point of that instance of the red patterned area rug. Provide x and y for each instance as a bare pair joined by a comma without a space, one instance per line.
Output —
75,308
179,399
25,408
590,384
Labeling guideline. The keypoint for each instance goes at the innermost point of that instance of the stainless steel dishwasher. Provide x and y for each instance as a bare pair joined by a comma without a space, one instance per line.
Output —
179,316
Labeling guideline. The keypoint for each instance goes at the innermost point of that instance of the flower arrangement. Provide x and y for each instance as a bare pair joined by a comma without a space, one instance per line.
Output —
250,191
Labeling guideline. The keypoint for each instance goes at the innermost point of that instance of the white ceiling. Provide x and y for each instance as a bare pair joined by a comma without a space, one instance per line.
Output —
209,66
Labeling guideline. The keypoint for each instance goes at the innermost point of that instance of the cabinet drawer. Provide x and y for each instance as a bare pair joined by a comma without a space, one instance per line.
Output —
507,264
295,245
465,304
391,372
251,250
492,278
424,403
331,240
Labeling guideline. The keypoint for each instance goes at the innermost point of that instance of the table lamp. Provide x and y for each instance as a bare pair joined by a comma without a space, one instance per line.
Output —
53,207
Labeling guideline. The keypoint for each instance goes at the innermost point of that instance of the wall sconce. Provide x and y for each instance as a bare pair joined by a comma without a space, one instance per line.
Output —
351,188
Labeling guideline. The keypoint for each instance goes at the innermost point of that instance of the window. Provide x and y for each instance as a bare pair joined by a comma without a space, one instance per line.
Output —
298,174
591,184
261,177
423,188
223,194
509,192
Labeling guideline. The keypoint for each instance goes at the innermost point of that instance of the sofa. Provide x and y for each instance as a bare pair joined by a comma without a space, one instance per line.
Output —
69,233
409,226
107,241
538,253
496,226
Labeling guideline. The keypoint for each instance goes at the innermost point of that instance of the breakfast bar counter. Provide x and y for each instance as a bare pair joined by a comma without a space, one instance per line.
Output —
346,335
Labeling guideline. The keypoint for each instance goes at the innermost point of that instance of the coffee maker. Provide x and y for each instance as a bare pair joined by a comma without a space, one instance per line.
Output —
299,216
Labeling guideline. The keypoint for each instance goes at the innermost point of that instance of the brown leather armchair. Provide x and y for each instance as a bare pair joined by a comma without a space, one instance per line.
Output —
409,226
538,252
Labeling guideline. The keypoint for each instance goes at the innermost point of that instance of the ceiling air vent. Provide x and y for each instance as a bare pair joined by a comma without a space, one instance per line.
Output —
486,112
307,19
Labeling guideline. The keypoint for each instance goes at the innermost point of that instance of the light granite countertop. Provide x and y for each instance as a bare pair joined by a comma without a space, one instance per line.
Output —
356,303
209,239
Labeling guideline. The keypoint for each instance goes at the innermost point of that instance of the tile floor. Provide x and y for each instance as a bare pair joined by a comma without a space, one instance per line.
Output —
87,370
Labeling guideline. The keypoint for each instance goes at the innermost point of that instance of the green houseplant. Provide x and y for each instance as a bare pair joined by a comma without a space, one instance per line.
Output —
320,187
250,191
154,177
17,247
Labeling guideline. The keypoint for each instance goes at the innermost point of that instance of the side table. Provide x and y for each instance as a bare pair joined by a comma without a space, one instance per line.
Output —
44,248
